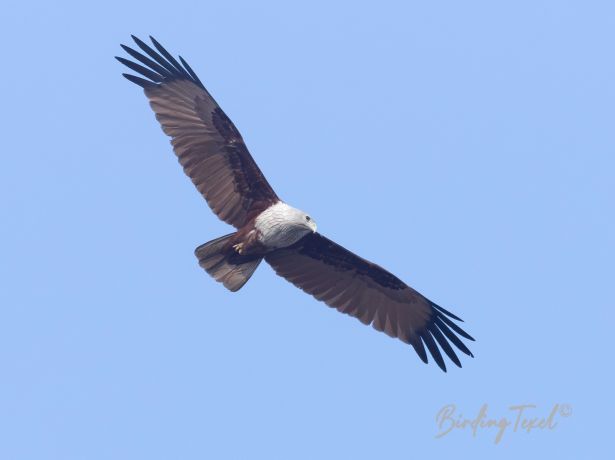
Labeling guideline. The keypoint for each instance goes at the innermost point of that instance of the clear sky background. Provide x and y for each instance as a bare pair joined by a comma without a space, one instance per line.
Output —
468,147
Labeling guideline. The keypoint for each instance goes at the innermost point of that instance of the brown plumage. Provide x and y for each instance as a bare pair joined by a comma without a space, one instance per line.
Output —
207,144
371,294
214,156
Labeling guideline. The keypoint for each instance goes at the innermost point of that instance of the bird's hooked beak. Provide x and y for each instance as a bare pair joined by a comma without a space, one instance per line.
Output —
313,226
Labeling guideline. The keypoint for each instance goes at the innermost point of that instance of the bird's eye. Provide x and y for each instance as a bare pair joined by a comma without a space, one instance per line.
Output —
308,218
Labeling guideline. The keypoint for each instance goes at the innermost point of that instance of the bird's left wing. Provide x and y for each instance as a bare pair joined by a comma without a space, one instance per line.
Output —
205,140
368,292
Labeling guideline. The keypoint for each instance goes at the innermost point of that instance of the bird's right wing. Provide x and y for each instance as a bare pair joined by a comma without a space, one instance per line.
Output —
371,294
206,142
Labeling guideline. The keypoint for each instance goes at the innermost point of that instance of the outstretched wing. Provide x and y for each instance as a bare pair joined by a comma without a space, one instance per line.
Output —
368,292
206,142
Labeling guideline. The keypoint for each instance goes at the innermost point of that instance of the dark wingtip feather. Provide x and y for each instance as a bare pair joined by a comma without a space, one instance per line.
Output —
140,43
456,328
162,66
140,69
139,81
446,312
433,349
162,50
418,346
452,337
148,62
445,346
191,72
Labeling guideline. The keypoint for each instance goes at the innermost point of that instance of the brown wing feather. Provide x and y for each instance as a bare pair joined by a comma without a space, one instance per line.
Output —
368,292
207,143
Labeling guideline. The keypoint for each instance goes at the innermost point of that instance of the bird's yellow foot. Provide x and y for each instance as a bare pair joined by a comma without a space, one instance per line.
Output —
239,248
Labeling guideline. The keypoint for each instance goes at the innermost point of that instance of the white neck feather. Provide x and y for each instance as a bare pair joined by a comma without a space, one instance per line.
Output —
281,225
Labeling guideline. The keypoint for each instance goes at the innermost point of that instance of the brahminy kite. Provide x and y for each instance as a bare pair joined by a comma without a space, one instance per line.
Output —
216,159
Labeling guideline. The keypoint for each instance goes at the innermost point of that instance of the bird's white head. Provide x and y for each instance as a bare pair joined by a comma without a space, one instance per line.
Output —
311,223
300,219
281,225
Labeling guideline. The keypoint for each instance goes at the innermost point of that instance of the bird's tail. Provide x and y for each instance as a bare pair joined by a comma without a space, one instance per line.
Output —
224,264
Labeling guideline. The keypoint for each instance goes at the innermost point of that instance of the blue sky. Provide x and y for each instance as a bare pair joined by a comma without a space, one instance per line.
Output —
468,147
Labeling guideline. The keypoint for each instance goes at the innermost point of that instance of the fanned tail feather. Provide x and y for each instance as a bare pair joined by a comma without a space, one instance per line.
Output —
224,264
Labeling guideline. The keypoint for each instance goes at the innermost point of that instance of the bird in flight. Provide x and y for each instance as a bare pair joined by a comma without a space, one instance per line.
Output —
216,159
